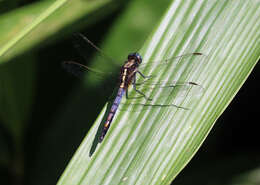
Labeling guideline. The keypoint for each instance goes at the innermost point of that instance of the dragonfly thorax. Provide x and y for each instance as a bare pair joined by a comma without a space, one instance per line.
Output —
136,57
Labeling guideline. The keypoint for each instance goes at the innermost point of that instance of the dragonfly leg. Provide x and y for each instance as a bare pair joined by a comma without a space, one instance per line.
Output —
134,85
141,93
144,76
127,97
126,94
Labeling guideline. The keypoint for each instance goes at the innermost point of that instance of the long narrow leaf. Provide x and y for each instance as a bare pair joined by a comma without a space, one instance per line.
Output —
153,146
24,28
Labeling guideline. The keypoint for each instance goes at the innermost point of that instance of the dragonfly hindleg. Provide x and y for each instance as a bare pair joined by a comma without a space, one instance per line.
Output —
143,95
127,97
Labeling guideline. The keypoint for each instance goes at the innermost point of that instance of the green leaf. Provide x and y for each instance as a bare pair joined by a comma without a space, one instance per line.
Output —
153,146
23,29
247,178
26,27
17,84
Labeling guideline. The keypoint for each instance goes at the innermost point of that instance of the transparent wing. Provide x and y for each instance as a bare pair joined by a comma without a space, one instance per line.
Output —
82,43
173,61
176,95
164,93
107,81
79,70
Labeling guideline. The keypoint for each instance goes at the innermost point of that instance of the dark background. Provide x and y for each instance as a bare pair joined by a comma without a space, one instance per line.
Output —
233,143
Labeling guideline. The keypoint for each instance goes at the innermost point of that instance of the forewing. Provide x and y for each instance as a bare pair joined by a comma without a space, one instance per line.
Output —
83,45
79,70
158,66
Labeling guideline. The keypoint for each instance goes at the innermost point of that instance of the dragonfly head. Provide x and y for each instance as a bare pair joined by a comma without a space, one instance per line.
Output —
136,56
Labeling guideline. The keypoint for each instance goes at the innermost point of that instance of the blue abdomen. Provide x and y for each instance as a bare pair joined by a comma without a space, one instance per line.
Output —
112,112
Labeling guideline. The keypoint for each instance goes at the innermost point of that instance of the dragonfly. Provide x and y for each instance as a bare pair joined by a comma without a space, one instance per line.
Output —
128,76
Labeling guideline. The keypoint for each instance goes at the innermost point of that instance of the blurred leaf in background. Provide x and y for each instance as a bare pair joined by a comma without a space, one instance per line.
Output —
153,147
45,113
26,28
23,30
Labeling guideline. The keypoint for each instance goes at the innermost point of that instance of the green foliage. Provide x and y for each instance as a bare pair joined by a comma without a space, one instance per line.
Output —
149,146
153,146
32,24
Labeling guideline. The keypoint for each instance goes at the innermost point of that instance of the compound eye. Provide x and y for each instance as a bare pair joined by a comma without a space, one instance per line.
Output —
139,58
130,56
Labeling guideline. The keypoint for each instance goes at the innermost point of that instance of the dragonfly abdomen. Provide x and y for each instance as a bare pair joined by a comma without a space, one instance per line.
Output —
120,93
